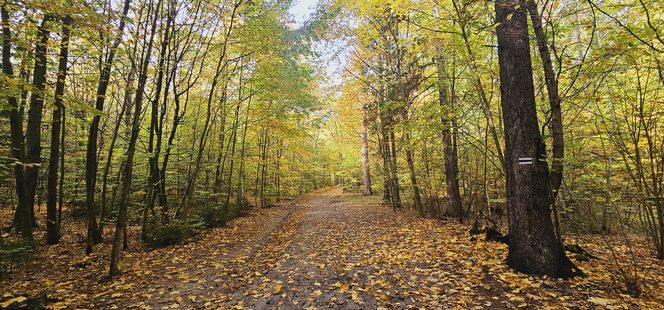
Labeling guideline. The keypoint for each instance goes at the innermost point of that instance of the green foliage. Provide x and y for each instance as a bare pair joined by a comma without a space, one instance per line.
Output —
173,233
77,207
13,252
213,215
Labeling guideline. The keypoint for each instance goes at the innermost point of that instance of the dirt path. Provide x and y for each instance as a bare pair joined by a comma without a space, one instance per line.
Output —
325,250
344,251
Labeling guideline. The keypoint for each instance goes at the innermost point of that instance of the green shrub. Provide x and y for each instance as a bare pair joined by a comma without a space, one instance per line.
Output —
77,207
13,252
212,215
237,210
216,215
174,233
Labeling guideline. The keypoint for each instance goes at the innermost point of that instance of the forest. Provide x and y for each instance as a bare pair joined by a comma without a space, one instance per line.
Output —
334,154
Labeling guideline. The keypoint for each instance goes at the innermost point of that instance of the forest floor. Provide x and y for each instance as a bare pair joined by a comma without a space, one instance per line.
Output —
326,249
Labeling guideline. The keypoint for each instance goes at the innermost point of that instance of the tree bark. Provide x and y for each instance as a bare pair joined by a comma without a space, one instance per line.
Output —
556,123
533,246
121,222
240,192
126,104
16,131
33,129
454,204
394,194
153,188
366,173
384,148
93,233
52,229
417,199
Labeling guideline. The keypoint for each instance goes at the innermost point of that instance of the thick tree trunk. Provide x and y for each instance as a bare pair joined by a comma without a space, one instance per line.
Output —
16,131
383,148
454,205
52,229
533,246
33,130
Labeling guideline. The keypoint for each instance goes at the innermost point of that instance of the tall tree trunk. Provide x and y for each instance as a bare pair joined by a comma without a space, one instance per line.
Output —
384,148
33,130
556,123
178,56
366,173
558,145
454,205
264,169
62,170
52,229
395,194
232,159
191,182
16,131
240,193
126,104
417,198
221,66
93,233
533,246
121,222
236,120
153,187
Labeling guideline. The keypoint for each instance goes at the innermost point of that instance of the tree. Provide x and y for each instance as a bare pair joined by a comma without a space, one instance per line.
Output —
93,233
533,246
454,204
366,172
16,128
121,221
33,129
52,228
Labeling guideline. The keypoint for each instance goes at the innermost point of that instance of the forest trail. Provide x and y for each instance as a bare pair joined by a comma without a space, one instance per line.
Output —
324,250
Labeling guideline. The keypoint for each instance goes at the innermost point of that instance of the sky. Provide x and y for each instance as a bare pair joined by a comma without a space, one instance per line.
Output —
301,9
332,54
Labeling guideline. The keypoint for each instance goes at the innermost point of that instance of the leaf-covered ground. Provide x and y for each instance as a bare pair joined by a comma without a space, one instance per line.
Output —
325,250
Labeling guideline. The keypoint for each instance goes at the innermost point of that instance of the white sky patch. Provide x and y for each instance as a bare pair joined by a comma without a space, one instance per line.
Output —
301,10
332,55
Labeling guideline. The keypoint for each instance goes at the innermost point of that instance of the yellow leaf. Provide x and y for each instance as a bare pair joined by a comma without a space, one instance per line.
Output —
14,300
343,287
356,298
600,301
276,289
